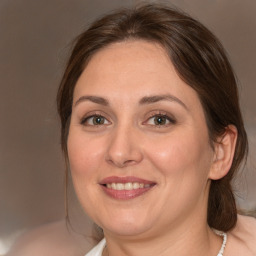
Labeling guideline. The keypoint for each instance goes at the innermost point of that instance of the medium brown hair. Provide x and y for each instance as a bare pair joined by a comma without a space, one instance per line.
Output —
200,61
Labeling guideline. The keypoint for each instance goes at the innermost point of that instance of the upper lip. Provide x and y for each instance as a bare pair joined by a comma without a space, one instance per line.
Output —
132,179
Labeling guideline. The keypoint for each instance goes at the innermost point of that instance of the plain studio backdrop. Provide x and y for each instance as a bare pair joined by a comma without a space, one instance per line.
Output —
35,38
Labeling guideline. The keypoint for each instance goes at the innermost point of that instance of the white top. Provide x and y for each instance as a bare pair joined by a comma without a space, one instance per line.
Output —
98,249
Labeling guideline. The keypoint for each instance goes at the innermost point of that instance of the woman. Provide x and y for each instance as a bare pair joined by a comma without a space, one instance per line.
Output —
153,135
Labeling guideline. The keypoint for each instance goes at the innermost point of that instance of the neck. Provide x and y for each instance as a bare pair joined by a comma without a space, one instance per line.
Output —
186,239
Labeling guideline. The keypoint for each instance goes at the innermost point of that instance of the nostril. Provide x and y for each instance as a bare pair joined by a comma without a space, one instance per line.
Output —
129,162
120,163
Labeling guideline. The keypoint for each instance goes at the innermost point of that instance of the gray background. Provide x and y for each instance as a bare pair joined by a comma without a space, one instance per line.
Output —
35,37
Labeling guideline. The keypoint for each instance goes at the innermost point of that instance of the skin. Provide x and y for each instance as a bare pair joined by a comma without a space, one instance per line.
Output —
171,218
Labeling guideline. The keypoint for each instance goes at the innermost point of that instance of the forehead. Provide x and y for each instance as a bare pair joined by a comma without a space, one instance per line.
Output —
128,58
135,52
132,69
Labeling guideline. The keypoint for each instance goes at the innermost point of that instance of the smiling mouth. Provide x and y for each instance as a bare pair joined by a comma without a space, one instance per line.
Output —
125,188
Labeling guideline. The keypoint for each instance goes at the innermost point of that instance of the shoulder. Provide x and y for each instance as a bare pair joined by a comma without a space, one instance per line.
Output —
50,239
242,239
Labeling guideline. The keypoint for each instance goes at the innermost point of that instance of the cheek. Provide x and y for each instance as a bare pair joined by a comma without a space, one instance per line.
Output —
184,163
85,154
84,158
180,154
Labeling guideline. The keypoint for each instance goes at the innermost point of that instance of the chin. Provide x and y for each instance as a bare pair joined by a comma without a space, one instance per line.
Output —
129,226
126,230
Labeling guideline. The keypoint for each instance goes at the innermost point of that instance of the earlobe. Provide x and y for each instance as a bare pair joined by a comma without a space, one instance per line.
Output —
224,153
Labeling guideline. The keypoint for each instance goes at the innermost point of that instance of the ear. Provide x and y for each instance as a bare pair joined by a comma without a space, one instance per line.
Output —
223,153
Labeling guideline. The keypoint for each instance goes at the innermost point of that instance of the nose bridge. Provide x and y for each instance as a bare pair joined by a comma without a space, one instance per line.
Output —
124,148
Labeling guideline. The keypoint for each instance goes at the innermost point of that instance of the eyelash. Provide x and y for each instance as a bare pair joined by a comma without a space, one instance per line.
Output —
165,116
170,119
87,118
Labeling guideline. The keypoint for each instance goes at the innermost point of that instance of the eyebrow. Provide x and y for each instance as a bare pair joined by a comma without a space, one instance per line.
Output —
145,100
165,97
95,99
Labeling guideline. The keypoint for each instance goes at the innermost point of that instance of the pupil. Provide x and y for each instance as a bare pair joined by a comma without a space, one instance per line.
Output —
160,120
98,120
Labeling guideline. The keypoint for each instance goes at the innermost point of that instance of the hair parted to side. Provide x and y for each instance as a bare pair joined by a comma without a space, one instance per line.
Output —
200,61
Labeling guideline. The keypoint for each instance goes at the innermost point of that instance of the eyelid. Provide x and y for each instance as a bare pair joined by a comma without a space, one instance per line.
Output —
172,120
89,115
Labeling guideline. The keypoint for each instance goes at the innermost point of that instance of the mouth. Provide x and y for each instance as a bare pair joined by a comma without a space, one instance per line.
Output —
125,188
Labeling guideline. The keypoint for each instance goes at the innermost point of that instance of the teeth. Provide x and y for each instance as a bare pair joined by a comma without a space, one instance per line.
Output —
136,185
127,186
119,186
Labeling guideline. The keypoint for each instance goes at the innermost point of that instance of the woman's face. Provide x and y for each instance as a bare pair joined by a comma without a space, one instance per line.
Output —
138,143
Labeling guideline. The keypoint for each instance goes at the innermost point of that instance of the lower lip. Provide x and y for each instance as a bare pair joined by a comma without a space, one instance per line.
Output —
125,194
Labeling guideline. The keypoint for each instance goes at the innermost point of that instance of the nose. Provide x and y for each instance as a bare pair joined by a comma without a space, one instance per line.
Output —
124,148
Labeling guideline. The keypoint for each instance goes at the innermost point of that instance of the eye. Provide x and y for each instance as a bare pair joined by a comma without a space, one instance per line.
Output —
160,120
95,120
